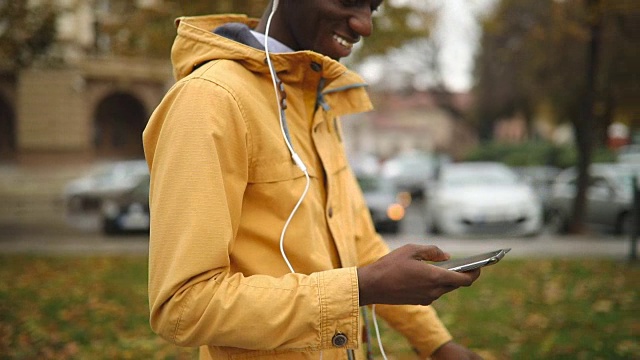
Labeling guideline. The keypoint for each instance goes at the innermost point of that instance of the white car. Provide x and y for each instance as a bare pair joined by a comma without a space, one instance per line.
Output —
482,198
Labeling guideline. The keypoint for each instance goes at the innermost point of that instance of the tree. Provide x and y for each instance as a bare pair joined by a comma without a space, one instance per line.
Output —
26,31
403,30
537,53
402,34
405,40
154,39
396,26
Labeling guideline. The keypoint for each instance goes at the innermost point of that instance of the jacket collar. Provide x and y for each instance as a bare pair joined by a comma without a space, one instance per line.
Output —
196,44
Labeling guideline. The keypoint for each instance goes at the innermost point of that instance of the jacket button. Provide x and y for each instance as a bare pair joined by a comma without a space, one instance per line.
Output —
339,340
316,67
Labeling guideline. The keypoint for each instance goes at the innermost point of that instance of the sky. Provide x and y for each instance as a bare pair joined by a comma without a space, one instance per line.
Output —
457,33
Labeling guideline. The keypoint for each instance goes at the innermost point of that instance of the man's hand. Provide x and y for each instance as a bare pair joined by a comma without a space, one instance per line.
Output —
454,351
403,278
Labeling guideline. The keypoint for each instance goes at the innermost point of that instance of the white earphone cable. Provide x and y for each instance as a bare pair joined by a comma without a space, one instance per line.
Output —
274,76
294,155
297,160
375,325
287,141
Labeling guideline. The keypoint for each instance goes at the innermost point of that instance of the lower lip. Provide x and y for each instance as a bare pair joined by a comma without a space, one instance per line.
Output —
342,50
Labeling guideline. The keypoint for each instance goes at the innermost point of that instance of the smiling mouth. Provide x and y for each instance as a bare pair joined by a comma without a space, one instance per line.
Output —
342,41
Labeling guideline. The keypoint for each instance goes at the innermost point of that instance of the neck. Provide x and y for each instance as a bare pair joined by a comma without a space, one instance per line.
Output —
278,27
262,24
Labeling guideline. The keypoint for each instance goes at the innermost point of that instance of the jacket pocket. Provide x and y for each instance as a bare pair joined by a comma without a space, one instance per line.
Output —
276,170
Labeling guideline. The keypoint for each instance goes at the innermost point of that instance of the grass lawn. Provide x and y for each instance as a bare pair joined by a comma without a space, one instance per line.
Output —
96,308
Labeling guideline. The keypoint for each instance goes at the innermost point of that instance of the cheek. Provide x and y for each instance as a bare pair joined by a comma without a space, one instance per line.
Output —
309,32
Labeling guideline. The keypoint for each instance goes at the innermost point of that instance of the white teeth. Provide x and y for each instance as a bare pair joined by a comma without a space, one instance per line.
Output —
342,41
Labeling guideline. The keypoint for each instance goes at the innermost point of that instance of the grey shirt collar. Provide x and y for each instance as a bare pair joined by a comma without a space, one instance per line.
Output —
275,46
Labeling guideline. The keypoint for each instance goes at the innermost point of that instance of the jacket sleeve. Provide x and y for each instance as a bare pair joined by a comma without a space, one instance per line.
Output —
419,324
196,135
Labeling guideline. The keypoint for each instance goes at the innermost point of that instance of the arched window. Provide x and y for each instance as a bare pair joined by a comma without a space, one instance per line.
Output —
7,131
120,119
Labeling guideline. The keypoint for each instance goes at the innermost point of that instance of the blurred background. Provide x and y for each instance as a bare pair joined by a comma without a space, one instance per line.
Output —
516,120
540,86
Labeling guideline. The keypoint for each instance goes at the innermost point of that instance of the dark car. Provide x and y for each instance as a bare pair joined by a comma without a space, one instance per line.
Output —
84,195
541,179
609,197
411,171
128,211
386,204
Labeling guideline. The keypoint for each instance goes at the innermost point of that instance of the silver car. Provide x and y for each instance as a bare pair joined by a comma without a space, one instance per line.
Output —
609,197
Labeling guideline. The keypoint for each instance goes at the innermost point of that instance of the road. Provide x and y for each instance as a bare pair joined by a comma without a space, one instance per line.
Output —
75,242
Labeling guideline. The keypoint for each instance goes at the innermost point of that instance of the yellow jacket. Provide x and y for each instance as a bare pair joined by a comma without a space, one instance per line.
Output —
222,187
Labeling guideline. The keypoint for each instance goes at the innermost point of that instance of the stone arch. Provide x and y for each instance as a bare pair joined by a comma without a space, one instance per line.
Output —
119,121
7,131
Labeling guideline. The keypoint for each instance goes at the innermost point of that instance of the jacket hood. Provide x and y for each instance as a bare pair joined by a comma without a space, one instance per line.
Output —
196,43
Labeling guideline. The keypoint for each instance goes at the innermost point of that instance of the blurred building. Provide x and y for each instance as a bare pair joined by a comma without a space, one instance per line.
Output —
80,103
417,120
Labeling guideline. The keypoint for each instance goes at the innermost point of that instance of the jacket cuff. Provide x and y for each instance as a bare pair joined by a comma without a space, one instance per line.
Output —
339,310
426,351
419,324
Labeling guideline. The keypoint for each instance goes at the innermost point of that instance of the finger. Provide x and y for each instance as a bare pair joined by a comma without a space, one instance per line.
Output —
469,277
430,253
475,274
454,278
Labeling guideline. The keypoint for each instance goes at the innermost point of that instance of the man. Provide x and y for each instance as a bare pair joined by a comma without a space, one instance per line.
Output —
236,267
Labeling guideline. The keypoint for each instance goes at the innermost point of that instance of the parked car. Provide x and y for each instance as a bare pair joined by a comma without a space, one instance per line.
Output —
411,171
474,198
629,154
609,197
541,179
84,194
364,163
127,211
386,204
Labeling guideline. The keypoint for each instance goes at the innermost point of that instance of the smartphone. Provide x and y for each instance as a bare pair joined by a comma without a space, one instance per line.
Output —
473,262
